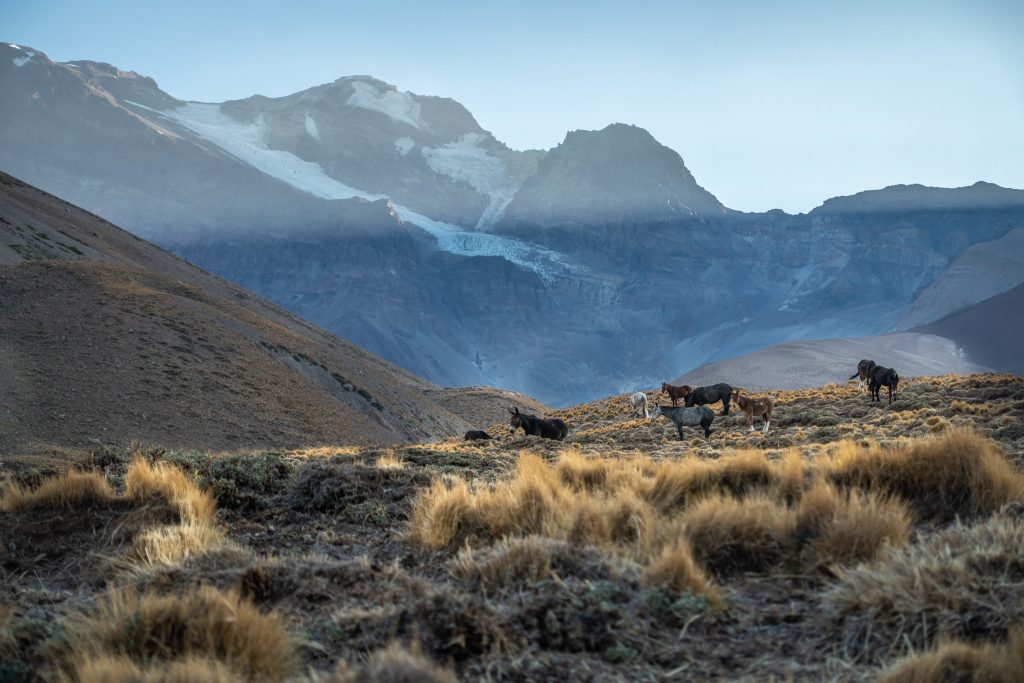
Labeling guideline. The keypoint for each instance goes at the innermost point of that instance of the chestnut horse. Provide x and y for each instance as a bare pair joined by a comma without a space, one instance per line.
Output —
864,368
676,393
535,426
760,407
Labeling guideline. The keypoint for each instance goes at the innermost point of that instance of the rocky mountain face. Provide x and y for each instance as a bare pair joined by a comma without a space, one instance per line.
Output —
396,221
980,272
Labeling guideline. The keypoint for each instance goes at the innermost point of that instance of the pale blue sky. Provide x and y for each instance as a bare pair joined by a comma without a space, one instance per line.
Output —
771,104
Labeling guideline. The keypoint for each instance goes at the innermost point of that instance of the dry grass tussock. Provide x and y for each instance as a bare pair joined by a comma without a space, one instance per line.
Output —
124,670
958,474
956,661
207,633
965,582
679,519
393,664
70,490
153,491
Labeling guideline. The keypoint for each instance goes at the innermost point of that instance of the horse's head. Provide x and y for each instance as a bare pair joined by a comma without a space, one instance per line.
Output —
516,420
664,387
656,411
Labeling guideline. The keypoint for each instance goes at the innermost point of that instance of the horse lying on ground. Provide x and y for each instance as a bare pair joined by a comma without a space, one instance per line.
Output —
761,407
638,404
864,368
883,377
686,417
676,393
716,392
476,435
535,426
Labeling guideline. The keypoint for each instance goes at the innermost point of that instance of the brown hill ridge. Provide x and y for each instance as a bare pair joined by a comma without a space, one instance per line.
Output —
106,338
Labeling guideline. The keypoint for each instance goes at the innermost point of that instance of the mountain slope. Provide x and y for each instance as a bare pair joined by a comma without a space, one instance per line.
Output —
396,221
980,272
991,332
617,175
109,338
811,363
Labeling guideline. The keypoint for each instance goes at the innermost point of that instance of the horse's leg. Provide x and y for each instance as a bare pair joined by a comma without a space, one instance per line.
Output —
725,402
679,428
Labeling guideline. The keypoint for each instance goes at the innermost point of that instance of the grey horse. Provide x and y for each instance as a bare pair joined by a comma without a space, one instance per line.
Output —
686,417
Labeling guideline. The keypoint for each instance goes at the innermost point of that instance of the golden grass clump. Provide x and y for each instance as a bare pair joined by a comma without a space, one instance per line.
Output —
123,670
729,535
389,461
835,527
965,581
532,502
393,664
675,569
205,625
145,480
64,492
958,661
958,474
512,562
679,482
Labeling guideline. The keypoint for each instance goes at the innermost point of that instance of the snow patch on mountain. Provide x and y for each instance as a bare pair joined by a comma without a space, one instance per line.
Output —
23,59
404,145
467,161
454,239
311,128
398,106
247,143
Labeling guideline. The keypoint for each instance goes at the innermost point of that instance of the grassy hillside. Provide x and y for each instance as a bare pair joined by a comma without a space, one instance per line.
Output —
854,540
106,338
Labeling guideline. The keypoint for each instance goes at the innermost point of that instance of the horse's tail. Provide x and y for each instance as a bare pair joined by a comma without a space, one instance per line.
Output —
854,375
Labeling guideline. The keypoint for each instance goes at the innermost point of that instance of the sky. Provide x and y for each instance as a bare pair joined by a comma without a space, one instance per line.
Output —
771,104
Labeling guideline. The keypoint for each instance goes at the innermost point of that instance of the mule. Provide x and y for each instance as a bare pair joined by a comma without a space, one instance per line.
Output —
686,417
864,368
476,435
638,405
535,426
751,407
712,394
676,393
883,377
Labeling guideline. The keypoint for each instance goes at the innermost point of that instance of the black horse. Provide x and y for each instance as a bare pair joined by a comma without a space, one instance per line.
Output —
717,392
883,377
535,426
476,435
686,417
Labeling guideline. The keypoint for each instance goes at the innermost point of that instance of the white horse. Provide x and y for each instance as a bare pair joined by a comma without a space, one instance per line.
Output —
638,404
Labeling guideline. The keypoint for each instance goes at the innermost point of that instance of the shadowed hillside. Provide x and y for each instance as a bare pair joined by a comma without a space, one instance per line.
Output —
853,538
107,338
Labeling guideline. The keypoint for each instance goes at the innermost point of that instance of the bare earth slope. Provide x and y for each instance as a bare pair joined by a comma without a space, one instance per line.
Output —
107,338
991,332
804,364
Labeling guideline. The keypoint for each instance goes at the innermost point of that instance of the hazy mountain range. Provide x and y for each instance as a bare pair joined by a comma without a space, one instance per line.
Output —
397,222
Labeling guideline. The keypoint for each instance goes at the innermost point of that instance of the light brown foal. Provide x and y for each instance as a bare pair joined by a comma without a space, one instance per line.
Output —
760,407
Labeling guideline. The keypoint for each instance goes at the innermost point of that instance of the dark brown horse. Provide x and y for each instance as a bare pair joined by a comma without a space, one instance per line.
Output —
760,407
864,368
676,393
476,435
535,426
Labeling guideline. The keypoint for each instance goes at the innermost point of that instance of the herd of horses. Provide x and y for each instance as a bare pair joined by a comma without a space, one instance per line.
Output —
694,411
